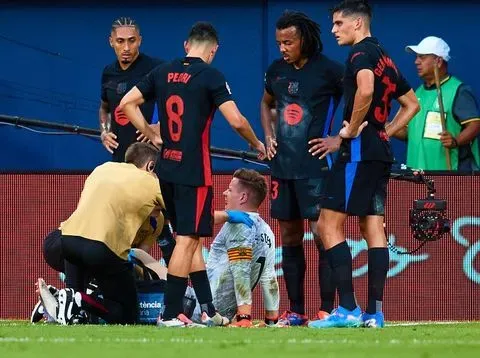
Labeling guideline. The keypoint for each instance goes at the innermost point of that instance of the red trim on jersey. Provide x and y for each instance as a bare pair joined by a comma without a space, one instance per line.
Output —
207,170
202,193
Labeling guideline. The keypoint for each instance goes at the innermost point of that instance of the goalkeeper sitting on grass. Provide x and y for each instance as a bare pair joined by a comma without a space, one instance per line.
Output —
242,256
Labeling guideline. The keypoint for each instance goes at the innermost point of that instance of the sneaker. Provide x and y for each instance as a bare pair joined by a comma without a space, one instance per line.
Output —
340,317
243,323
38,312
216,320
289,318
262,324
376,320
81,318
322,315
278,325
180,321
69,303
49,302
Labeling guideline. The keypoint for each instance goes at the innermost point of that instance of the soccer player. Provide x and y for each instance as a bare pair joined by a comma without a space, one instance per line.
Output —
241,257
188,91
305,87
358,183
117,133
116,199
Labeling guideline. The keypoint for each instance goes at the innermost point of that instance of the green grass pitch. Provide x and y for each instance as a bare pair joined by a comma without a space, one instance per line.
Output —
22,339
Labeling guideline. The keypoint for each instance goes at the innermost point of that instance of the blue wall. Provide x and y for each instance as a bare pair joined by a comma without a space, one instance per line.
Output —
53,55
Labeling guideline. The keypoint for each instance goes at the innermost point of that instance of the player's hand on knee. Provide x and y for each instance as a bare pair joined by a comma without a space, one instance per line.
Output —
239,217
271,147
109,141
323,146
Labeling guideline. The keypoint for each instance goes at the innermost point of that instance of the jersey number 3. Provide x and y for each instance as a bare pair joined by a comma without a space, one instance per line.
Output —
380,113
174,108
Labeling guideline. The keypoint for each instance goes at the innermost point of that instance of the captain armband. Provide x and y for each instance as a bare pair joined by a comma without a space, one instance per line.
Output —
239,253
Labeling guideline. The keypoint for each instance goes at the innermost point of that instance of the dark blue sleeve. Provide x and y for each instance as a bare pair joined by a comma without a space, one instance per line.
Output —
465,106
268,80
103,89
148,83
219,87
339,71
360,60
402,86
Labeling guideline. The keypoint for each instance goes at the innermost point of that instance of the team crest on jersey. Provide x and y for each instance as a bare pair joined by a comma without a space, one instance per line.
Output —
228,88
121,87
293,87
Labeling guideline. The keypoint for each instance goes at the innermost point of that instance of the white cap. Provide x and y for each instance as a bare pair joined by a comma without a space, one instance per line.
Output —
431,45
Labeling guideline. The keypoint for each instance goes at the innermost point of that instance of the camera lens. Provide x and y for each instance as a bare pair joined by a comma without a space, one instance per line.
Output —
425,223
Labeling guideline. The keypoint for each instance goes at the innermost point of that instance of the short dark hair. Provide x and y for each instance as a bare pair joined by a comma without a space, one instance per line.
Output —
351,7
124,21
140,153
254,182
203,32
309,30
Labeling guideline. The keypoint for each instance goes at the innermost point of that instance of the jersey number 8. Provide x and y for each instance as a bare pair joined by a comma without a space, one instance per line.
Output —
174,108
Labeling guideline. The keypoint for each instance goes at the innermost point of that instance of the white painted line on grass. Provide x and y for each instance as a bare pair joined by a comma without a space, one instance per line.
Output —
200,341
424,323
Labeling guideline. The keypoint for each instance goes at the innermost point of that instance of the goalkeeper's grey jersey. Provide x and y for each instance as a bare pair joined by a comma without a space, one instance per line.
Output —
240,258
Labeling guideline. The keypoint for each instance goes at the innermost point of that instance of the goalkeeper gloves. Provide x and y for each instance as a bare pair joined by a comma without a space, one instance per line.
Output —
239,217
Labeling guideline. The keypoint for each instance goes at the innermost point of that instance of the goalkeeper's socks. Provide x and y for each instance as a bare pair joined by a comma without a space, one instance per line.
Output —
340,260
293,265
174,291
378,264
326,282
201,285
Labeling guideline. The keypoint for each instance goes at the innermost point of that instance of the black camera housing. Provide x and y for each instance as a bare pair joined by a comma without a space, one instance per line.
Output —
428,220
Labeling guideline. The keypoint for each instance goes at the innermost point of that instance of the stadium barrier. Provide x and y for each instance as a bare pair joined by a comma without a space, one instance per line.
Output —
439,282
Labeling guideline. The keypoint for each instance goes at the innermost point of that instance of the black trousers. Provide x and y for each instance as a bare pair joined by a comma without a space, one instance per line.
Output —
114,276
54,257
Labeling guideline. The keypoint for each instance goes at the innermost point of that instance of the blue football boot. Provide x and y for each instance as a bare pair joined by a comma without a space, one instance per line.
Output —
341,317
376,320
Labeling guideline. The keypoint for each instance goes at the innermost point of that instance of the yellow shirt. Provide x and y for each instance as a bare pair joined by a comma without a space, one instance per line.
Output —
116,200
